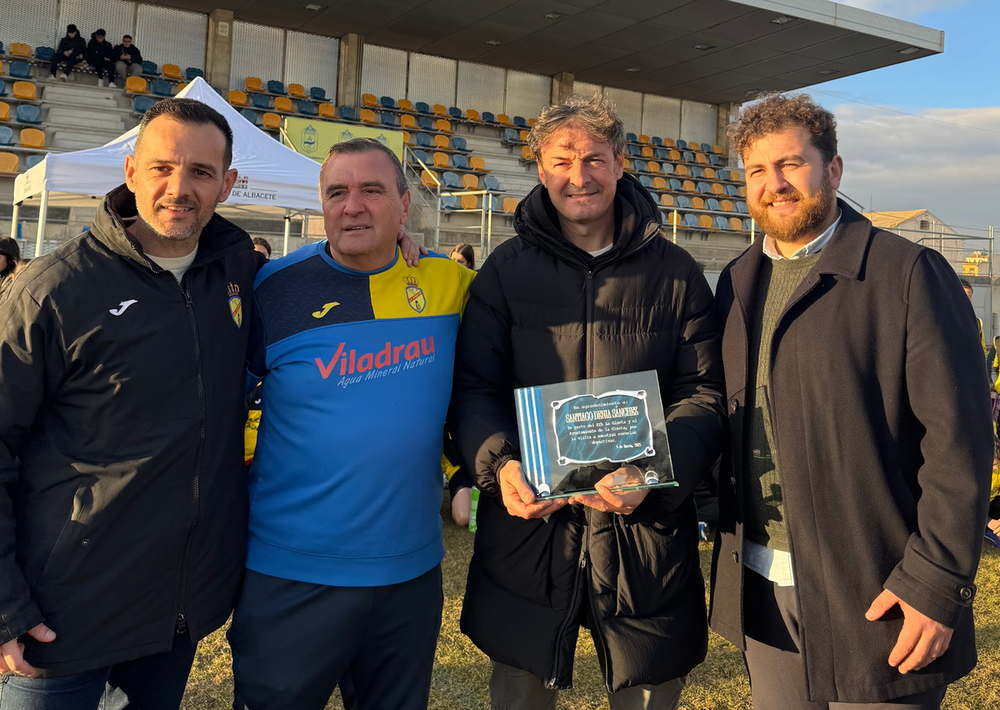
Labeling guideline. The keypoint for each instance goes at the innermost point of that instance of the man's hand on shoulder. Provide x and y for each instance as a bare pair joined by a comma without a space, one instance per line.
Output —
921,640
410,248
12,652
518,497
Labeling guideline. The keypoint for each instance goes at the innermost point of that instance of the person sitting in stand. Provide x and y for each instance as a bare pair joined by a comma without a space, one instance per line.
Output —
69,53
128,60
100,56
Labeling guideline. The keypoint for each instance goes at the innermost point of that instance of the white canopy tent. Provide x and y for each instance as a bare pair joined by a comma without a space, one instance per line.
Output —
270,174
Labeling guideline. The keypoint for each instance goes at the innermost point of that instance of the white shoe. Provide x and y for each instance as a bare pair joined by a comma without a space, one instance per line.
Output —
71,77
111,85
100,82
62,77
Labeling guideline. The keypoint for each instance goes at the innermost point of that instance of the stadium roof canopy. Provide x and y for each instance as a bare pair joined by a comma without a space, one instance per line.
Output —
716,51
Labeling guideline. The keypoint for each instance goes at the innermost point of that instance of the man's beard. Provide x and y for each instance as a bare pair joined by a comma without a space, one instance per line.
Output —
192,231
813,209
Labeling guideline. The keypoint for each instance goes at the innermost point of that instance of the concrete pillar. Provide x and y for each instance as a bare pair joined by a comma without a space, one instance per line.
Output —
727,113
352,50
562,87
219,52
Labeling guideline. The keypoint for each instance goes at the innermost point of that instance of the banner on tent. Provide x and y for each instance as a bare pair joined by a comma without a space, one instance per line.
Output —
314,138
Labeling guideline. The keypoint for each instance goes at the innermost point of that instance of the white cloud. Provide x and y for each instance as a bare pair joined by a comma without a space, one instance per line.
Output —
903,9
907,162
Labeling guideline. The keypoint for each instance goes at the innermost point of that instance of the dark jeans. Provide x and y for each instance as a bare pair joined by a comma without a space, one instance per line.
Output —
105,68
151,683
58,59
294,641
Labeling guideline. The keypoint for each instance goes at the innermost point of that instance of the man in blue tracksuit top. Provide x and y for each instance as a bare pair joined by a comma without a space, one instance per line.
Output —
355,350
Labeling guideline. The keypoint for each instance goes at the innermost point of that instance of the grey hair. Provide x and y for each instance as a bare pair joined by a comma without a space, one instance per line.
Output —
595,115
366,145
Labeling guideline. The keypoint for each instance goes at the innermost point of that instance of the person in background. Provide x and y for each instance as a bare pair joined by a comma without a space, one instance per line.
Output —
968,292
100,56
263,246
128,60
69,53
10,256
464,255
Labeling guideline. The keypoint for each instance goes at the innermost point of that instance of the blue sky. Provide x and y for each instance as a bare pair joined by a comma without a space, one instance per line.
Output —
925,134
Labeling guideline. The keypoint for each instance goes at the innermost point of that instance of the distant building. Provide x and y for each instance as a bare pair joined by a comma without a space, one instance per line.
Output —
922,227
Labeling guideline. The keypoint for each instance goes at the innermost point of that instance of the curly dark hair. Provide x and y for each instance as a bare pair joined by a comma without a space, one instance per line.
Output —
777,111
9,248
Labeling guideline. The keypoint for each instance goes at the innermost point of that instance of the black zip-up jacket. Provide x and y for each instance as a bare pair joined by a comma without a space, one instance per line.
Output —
542,311
99,51
76,44
123,504
131,50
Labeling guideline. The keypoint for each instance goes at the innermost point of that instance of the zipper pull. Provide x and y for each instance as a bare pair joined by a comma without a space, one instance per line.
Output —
182,625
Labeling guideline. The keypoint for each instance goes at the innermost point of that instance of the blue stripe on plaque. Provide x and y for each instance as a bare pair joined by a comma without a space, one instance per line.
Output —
543,441
524,429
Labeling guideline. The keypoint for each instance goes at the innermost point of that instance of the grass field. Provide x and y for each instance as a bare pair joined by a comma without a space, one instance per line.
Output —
461,671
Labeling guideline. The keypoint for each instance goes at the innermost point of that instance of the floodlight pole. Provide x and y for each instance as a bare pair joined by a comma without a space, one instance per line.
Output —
43,213
288,231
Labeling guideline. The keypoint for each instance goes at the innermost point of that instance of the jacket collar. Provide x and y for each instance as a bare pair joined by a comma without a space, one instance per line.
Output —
218,238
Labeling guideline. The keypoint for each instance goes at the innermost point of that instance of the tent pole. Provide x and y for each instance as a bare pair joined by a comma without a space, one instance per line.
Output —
43,213
288,231
13,220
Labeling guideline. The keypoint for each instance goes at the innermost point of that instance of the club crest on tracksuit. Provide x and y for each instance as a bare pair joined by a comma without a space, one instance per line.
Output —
414,294
235,305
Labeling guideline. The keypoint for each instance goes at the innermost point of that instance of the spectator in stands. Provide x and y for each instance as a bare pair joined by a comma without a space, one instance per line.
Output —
69,53
263,246
559,302
100,55
128,60
853,499
343,562
968,292
10,255
123,504
464,255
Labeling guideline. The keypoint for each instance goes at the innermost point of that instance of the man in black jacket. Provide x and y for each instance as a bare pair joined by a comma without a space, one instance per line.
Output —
123,504
69,53
853,497
100,56
128,60
588,288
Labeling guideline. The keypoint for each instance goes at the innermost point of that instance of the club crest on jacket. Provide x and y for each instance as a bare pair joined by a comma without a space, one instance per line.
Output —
414,294
235,305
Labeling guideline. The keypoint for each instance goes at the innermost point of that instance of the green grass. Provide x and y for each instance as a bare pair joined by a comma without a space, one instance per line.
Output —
461,671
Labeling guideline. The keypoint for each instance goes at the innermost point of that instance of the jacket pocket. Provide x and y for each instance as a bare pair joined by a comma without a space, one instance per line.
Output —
66,554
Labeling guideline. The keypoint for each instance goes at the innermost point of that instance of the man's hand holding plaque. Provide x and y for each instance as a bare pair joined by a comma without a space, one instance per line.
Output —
518,497
607,500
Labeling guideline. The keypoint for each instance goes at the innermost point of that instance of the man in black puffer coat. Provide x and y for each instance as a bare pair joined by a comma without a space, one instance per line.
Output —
588,288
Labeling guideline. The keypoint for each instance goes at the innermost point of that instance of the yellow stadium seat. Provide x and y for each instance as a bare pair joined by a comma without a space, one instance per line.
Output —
503,119
20,49
182,86
443,125
406,138
674,154
688,186
442,142
667,200
4,111
674,218
368,116
472,114
718,189
252,83
523,136
405,105
628,166
652,167
697,203
32,138
644,139
237,98
710,173
668,143
441,160
327,111
477,163
428,179
297,91
271,121
726,206
701,158
509,204
469,202
705,221
681,170
25,91
647,152
717,149
526,153
408,121
743,190
439,110
659,183
470,181
532,122
736,223
369,100
8,163
136,85
283,104
171,71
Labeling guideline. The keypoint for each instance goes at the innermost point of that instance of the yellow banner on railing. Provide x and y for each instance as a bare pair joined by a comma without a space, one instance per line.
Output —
314,138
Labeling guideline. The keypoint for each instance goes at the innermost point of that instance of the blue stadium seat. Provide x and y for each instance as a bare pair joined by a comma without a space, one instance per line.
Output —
193,72
262,101
389,119
420,155
714,159
1,47
460,161
747,223
697,172
317,93
704,188
656,140
674,184
449,202
424,140
450,179
687,156
632,150
712,204
162,87
732,191
307,108
488,117
741,207
346,113
680,145
28,113
661,153
250,116
44,53
511,135
646,181
721,222
683,201
639,166
150,68
494,203
691,220
458,143
520,121
426,123
276,87
3,88
667,168
20,70
388,102
422,107
6,135
492,184
456,113
631,137
34,160
141,104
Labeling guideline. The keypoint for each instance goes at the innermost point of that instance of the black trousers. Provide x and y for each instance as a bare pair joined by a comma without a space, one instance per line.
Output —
293,642
105,68
777,677
69,62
